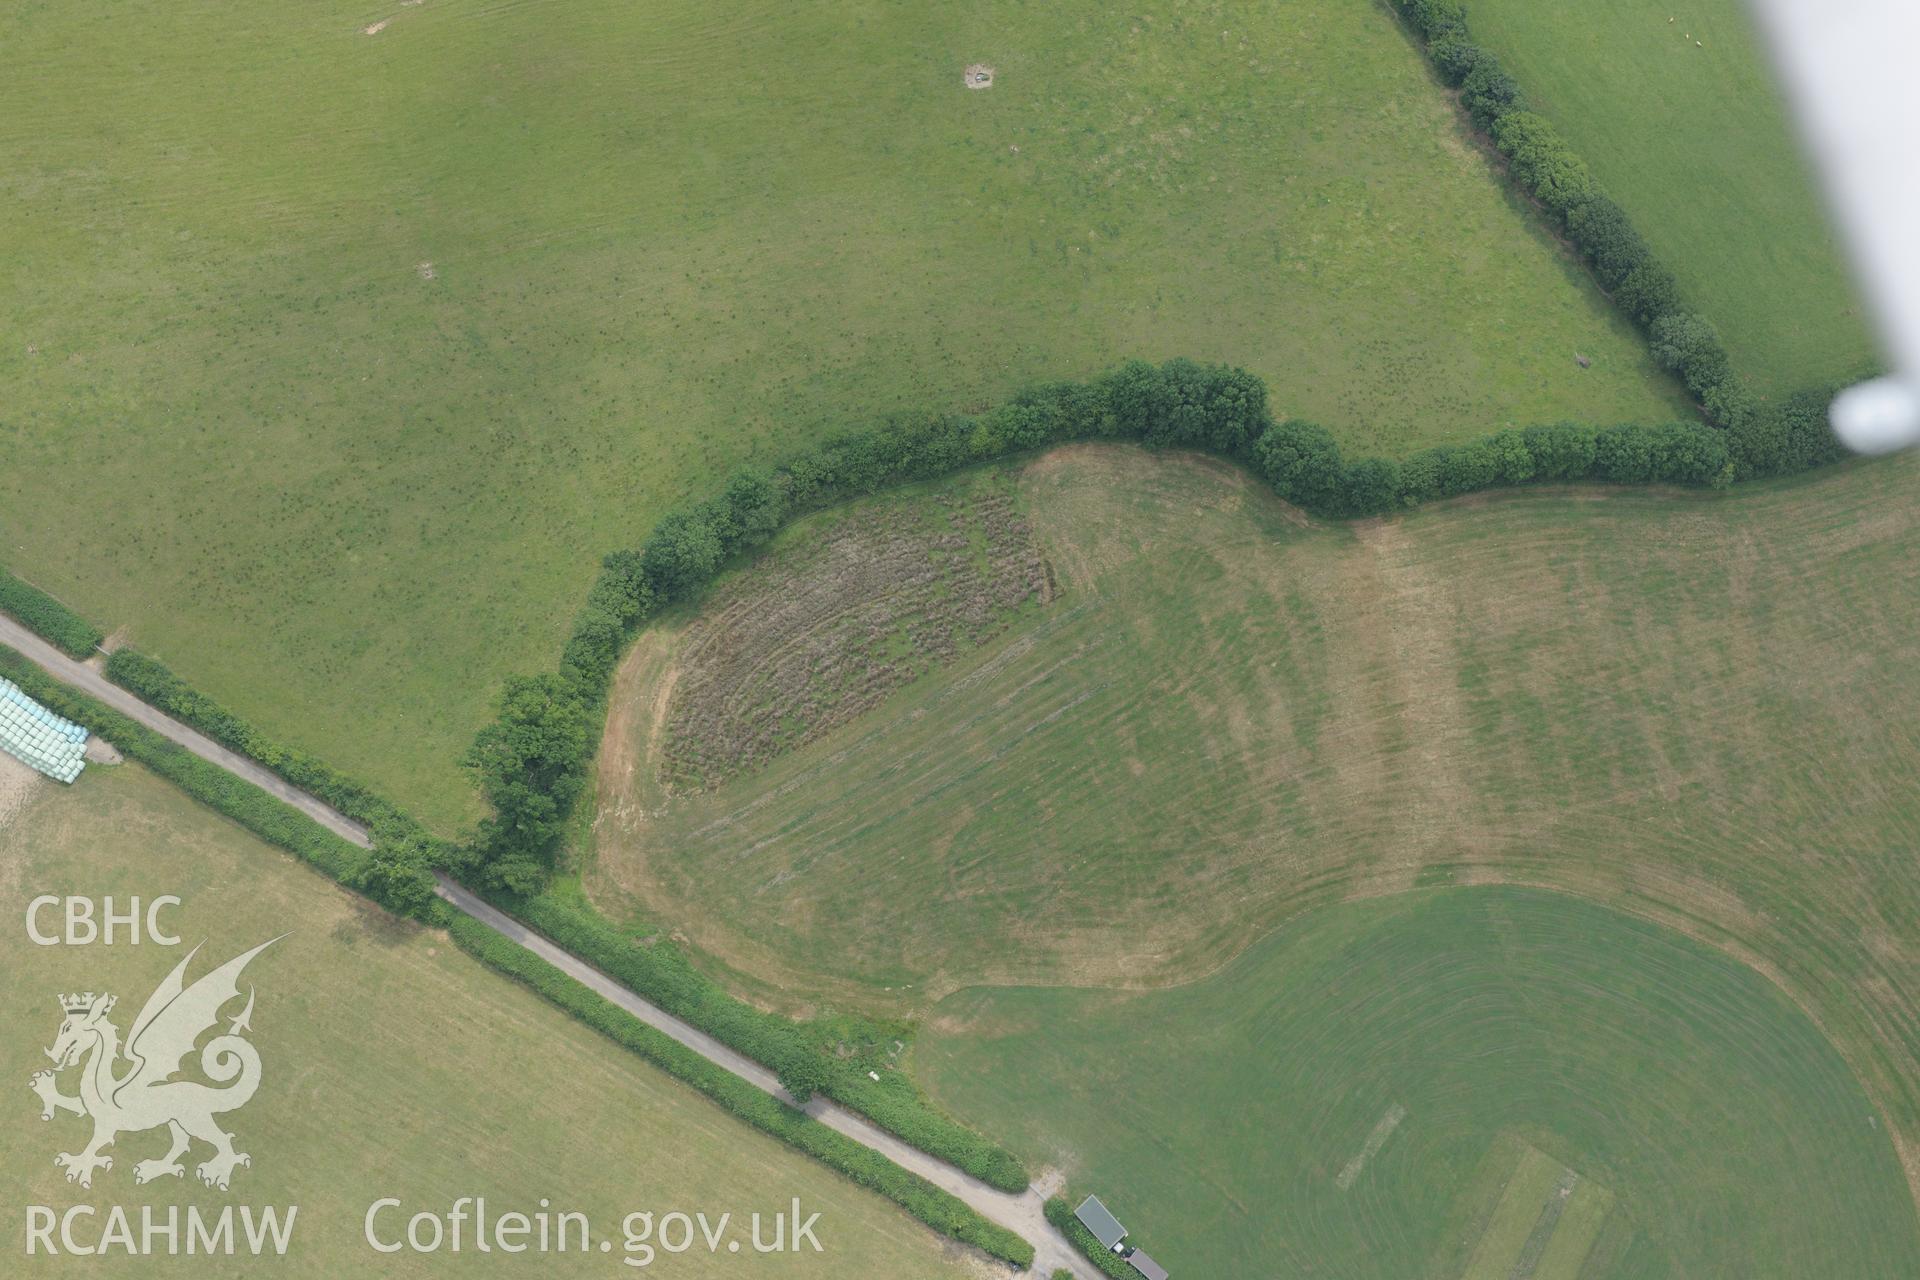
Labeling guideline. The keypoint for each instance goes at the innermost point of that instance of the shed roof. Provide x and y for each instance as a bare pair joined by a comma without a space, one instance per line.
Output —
1105,1227
1146,1266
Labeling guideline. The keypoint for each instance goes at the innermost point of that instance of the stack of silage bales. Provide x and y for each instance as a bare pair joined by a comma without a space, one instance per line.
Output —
39,738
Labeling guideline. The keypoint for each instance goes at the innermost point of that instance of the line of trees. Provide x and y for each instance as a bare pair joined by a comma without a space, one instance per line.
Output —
1762,439
531,761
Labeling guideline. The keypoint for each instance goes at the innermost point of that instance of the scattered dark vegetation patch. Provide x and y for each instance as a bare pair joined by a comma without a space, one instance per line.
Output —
823,629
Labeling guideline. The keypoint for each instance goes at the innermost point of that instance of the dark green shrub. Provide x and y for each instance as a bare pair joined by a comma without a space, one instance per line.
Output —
1648,292
1488,93
1684,343
1561,451
1207,407
1729,405
1542,161
1454,59
1791,436
1300,460
1613,247
47,617
1686,453
1372,486
531,765
1431,17
682,554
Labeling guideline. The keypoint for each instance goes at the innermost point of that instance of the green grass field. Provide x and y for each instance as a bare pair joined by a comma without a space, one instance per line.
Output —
1702,1125
1698,707
336,361
1694,143
393,1065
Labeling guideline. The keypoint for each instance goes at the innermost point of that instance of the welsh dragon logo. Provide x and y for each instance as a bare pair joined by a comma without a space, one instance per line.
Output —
143,1094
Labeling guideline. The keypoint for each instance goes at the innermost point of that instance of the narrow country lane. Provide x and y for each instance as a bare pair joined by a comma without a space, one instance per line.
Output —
1022,1212
97,686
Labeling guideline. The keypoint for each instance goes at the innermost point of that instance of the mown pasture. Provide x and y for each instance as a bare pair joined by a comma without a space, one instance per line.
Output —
393,1065
1530,1044
1693,140
336,360
1697,707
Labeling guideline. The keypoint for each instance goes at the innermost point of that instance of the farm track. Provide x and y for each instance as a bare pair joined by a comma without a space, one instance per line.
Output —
95,685
1023,1213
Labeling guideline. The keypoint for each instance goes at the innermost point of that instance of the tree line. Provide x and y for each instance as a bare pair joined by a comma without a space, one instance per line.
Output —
1762,441
531,760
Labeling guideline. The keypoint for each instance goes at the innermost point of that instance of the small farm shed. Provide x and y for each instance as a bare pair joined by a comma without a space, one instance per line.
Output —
1105,1227
1146,1266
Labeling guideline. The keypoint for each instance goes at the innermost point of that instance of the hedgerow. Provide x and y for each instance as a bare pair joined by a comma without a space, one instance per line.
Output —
940,1210
1060,1213
1547,168
47,617
399,871
281,825
661,973
531,760
273,821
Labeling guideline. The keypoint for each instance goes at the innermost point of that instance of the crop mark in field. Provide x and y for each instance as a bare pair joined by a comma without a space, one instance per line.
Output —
1382,1130
827,626
1543,1226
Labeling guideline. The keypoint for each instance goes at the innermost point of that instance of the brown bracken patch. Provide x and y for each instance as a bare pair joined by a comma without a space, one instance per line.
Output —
827,626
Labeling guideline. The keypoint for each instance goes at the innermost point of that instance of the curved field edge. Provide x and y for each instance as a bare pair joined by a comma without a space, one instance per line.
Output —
1614,693
357,339
1387,1063
1178,404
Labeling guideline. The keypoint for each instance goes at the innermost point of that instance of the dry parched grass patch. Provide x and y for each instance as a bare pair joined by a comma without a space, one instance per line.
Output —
827,626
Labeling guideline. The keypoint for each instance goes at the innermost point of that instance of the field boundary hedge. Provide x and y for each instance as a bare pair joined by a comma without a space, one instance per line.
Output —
531,761
152,682
941,1210
399,875
274,821
285,827
47,618
662,975
1547,170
